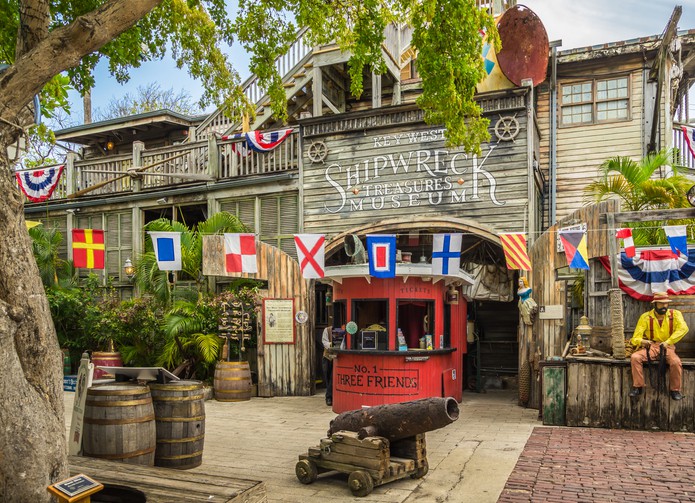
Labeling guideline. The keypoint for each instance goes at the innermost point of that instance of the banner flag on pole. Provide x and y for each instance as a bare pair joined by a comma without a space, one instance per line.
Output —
38,185
381,249
574,243
446,253
88,248
311,252
240,253
167,250
514,246
677,238
628,243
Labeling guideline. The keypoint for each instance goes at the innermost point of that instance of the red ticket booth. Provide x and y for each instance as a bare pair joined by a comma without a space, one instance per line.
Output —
406,336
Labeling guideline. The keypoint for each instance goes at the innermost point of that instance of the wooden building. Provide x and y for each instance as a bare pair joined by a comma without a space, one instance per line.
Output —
372,165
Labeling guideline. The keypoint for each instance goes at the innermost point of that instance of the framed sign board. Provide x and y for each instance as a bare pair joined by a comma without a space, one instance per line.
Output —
77,488
278,321
551,312
369,339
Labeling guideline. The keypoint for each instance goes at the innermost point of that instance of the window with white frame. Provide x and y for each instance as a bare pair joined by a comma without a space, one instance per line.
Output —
595,101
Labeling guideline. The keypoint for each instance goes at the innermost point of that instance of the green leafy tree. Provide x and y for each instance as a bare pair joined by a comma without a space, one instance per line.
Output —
650,184
40,39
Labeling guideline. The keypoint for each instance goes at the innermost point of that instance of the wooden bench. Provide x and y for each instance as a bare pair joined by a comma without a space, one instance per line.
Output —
163,485
598,395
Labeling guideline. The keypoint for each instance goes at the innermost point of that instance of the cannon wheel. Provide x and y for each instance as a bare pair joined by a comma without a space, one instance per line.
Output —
306,471
360,483
421,471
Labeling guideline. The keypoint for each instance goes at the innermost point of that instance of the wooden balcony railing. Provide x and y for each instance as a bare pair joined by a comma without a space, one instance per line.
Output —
211,157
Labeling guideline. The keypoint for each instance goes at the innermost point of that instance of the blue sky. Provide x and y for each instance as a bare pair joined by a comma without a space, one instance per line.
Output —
577,23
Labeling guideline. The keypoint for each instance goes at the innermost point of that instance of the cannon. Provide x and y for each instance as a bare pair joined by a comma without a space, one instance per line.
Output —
376,445
398,420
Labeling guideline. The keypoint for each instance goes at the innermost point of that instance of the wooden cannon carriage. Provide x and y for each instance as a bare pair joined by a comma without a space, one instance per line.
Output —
379,444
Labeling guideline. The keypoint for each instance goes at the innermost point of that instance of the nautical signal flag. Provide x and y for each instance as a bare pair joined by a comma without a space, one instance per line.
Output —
240,253
88,248
446,253
167,250
574,243
514,246
311,253
381,249
677,238
628,242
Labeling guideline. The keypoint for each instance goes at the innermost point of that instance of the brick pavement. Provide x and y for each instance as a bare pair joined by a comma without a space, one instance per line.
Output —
597,465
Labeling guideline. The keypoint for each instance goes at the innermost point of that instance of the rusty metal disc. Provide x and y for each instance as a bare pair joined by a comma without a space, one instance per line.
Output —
525,46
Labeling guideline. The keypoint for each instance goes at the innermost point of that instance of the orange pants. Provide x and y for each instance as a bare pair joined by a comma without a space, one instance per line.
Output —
675,368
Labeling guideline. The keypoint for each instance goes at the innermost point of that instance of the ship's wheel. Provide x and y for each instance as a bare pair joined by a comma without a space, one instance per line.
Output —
317,151
507,128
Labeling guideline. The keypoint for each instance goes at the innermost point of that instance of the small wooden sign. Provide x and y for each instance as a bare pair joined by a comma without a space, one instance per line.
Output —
551,312
75,489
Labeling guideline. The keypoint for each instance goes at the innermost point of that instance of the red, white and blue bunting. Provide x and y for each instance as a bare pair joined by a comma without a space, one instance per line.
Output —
39,184
257,141
655,271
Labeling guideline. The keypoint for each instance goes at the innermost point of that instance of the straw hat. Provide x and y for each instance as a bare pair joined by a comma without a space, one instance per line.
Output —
661,297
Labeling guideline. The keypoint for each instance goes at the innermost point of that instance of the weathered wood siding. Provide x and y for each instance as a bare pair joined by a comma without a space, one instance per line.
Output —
582,149
389,163
549,336
597,396
283,369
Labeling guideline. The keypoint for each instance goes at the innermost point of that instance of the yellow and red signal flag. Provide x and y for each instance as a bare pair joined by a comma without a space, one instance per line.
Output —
514,246
88,248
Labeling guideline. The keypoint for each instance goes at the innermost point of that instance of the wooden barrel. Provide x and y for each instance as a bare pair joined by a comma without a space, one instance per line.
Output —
179,411
119,424
232,382
105,359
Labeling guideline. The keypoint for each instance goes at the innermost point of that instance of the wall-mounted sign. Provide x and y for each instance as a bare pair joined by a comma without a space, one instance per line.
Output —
278,321
551,312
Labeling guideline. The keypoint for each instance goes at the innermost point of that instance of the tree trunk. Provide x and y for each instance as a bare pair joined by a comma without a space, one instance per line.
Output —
33,450
32,442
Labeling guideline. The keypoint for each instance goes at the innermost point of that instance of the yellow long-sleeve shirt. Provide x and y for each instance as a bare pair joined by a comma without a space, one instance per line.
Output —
662,332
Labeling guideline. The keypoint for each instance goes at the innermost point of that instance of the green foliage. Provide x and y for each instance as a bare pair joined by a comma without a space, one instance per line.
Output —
641,186
449,62
147,273
446,37
54,270
192,346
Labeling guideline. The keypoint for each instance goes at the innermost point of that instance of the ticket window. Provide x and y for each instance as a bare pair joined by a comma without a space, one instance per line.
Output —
415,319
368,314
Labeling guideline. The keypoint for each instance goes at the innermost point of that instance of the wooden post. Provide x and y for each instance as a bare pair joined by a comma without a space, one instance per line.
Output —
138,147
213,157
612,249
615,297
376,91
70,167
317,89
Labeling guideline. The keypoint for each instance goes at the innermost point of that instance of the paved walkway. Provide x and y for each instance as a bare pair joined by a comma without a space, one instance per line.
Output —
470,460
596,465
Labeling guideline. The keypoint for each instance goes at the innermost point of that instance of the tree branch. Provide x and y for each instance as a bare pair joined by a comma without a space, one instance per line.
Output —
63,48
